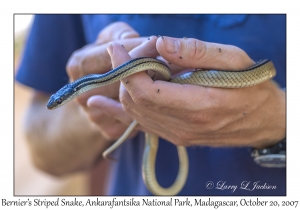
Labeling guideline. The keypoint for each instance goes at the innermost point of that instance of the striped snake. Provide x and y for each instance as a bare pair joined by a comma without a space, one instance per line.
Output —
258,73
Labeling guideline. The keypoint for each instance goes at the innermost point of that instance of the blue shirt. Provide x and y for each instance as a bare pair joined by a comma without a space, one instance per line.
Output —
53,38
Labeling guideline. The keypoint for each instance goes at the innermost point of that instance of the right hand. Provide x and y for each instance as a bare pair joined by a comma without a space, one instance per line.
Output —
94,59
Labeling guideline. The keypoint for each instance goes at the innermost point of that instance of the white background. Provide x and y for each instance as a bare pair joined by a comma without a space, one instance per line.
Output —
22,22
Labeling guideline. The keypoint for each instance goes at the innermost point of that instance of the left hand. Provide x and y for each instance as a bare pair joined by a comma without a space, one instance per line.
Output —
94,59
194,115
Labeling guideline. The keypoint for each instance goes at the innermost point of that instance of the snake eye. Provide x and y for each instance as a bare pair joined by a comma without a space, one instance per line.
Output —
59,100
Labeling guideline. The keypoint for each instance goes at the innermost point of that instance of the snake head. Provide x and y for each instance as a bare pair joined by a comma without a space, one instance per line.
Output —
61,97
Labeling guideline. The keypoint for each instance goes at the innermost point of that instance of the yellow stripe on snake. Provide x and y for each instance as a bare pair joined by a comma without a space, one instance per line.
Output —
260,72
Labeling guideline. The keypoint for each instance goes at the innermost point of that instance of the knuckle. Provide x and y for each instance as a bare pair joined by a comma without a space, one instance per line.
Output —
126,108
125,105
192,119
179,134
209,128
196,49
112,133
120,24
183,137
114,32
124,98
124,30
141,98
215,99
197,118
74,63
84,65
138,97
72,68
87,61
96,117
205,122
240,59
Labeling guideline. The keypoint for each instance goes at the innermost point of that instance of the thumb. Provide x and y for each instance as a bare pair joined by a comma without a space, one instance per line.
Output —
116,31
119,55
193,53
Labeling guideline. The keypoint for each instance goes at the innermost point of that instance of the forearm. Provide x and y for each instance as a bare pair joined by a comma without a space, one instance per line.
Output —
63,140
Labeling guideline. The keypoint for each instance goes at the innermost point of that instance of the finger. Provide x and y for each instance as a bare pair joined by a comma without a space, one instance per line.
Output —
117,120
119,56
149,125
98,116
109,127
111,91
139,84
175,69
95,59
116,31
119,53
142,89
146,49
110,107
168,116
193,53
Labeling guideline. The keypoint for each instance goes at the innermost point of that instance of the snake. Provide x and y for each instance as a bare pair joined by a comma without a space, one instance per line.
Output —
261,71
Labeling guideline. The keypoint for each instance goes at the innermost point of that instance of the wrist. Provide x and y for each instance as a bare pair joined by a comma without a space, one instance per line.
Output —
273,130
272,157
272,153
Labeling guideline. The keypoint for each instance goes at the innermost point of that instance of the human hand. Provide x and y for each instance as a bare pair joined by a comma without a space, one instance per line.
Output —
94,59
195,115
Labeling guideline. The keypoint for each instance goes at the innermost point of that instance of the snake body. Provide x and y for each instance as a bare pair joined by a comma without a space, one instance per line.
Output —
258,73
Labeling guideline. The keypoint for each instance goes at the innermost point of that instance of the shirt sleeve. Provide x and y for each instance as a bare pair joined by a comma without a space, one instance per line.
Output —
51,41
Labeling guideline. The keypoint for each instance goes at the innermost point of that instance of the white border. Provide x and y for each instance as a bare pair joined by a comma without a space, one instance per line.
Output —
154,6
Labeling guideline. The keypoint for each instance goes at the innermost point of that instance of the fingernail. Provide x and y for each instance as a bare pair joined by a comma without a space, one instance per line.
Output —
110,49
90,102
171,45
